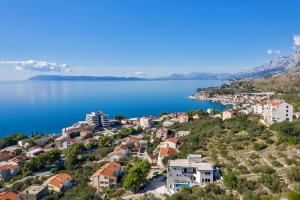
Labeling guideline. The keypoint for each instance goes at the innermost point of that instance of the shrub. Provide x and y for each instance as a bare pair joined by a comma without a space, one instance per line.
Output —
272,182
267,170
258,146
293,196
293,174
230,180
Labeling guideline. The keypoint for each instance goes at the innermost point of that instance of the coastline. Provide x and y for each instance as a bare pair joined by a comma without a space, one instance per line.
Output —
224,102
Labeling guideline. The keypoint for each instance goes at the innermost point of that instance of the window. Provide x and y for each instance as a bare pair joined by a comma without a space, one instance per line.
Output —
202,180
207,180
287,115
287,106
207,173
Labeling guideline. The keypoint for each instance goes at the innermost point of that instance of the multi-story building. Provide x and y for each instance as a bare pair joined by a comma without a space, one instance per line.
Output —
106,176
188,172
183,118
59,182
8,171
146,122
169,142
119,152
227,114
257,109
277,111
34,192
99,119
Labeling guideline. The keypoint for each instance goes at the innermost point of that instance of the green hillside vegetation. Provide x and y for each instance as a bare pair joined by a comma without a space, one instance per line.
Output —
256,162
288,82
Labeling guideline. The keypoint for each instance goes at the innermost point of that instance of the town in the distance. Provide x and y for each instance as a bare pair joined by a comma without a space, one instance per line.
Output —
247,151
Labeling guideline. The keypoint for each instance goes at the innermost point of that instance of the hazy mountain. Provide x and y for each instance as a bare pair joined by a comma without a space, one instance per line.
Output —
280,64
198,76
81,78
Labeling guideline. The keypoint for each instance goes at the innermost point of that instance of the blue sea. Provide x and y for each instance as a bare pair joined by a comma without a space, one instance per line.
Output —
46,107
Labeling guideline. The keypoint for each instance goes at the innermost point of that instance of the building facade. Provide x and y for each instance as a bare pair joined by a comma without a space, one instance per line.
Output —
59,182
34,192
106,176
188,172
277,111
99,119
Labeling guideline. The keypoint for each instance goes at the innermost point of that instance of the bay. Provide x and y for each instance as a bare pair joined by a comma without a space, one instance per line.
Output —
47,107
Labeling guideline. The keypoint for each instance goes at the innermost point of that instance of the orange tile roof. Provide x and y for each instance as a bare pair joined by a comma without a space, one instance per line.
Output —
131,139
174,140
8,196
58,180
167,151
121,146
4,153
276,102
8,167
108,170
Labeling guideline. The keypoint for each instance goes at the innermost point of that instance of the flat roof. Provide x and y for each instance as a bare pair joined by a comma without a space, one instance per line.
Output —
186,163
34,189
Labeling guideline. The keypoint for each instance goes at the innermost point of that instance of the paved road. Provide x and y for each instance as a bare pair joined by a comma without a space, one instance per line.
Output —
157,187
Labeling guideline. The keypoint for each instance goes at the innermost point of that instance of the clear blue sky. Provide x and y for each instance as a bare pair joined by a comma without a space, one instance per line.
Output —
156,37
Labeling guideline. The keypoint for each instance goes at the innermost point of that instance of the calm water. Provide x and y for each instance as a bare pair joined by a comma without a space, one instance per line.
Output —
47,107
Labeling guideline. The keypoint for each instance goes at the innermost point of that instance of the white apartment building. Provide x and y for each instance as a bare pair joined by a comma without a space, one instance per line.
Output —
99,119
257,109
188,172
146,122
277,111
106,176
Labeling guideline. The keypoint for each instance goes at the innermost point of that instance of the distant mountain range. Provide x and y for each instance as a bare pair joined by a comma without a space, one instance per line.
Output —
279,65
81,78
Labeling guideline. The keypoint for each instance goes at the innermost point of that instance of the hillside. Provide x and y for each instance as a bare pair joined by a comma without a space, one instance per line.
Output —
288,82
81,78
257,162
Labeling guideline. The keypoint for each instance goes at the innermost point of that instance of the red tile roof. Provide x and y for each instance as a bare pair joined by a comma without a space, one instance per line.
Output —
174,140
8,196
167,151
276,102
8,167
58,180
4,153
121,146
108,170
